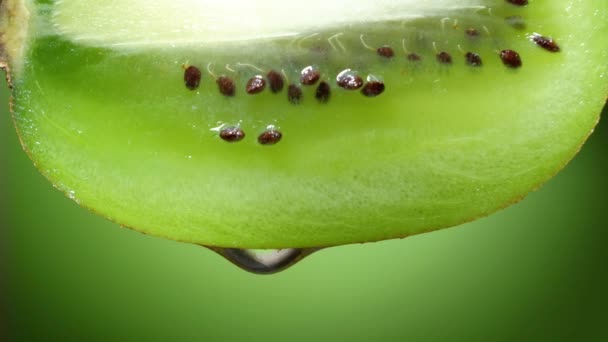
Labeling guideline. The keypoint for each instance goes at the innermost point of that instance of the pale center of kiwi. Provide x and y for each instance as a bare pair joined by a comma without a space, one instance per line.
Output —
207,22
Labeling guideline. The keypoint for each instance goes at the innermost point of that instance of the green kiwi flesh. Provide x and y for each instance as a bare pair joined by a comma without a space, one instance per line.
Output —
101,106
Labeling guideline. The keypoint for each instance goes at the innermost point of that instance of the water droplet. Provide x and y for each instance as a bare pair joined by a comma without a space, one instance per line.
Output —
264,261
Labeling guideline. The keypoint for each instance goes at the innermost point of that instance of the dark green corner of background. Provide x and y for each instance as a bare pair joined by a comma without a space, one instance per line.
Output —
537,271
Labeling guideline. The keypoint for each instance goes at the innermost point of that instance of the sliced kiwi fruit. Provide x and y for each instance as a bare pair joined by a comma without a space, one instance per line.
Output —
302,125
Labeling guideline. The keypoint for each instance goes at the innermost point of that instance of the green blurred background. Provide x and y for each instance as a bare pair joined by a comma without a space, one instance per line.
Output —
536,271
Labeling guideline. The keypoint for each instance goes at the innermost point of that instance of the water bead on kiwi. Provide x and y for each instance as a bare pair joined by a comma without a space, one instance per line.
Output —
287,129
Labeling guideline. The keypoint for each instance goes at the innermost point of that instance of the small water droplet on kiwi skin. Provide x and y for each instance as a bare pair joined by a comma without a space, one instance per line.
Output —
192,77
546,43
516,22
270,136
275,81
511,59
518,2
373,88
473,59
323,92
386,51
310,75
255,85
232,134
226,86
349,80
294,94
444,58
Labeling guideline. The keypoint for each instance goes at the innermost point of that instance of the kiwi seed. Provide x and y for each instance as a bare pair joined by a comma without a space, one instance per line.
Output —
511,59
444,58
226,86
255,85
414,57
473,59
386,52
471,32
192,77
232,134
270,137
275,80
294,94
310,75
373,88
323,92
546,43
516,22
349,80
518,2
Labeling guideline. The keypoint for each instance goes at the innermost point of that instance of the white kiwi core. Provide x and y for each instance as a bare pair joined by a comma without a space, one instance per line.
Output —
185,22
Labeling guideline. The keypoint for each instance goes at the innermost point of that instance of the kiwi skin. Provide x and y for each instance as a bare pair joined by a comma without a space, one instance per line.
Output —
296,235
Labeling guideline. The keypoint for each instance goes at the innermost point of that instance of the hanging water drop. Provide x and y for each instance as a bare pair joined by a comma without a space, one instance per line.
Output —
264,261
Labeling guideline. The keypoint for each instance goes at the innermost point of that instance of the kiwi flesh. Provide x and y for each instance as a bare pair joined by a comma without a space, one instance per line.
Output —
303,125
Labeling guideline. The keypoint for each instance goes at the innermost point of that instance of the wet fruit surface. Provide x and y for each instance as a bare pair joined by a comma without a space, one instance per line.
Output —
427,142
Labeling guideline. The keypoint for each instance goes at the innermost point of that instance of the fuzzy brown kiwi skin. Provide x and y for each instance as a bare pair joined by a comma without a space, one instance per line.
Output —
5,66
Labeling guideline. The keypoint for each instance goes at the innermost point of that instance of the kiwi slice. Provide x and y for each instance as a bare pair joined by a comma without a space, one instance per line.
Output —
308,124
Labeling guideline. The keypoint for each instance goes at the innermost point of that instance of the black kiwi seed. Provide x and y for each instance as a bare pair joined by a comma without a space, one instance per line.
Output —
275,80
473,59
232,134
349,80
414,57
386,51
516,22
192,77
255,85
518,2
444,58
511,58
373,88
323,92
226,86
471,32
294,94
270,137
546,43
310,75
